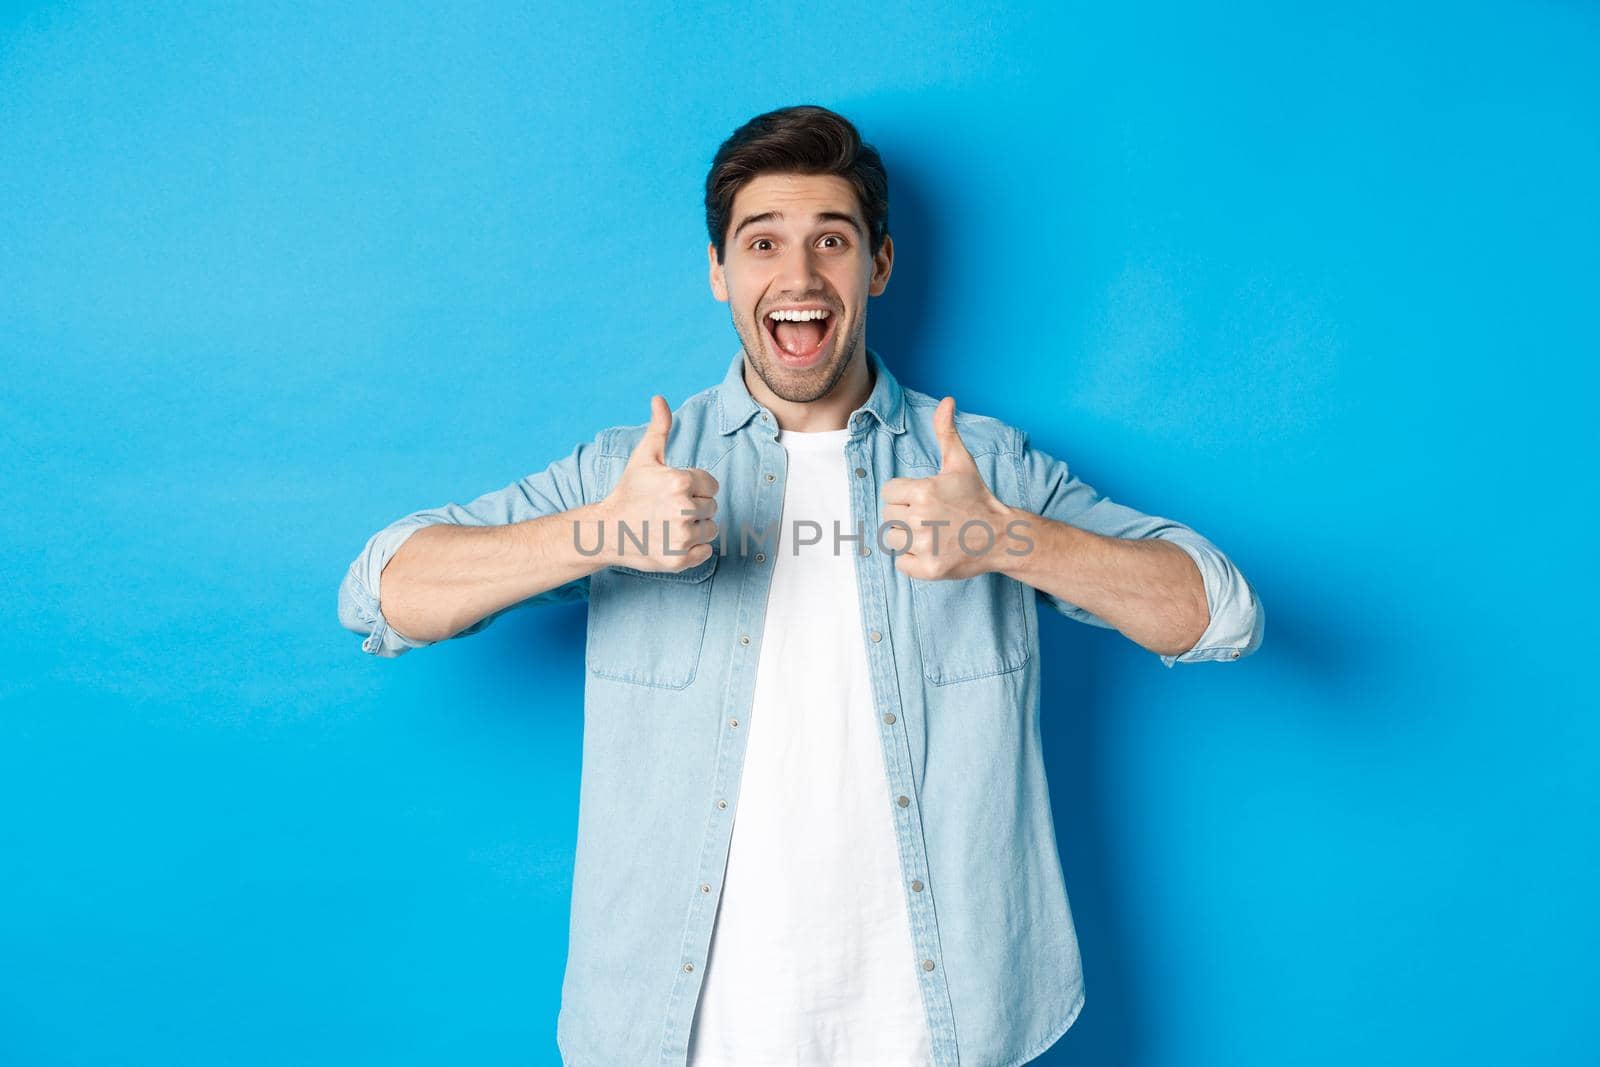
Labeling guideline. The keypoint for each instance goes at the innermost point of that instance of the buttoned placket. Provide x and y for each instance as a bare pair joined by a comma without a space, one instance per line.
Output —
749,622
871,577
750,617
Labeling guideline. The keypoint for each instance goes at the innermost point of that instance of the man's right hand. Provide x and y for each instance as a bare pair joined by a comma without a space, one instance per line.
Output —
669,509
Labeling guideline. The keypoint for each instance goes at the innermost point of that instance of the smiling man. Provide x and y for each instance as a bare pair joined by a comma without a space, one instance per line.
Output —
814,826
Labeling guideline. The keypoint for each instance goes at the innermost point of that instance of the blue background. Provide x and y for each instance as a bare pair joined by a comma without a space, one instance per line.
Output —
1321,284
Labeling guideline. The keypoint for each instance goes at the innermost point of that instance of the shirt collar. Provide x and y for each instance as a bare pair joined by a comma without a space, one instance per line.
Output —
886,402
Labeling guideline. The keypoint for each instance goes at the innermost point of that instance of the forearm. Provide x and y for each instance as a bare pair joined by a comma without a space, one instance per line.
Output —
1149,589
445,576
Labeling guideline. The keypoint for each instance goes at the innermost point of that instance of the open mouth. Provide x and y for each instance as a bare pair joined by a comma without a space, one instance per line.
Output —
799,335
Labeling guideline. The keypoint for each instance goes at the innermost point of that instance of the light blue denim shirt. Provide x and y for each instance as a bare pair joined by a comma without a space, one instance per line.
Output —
671,669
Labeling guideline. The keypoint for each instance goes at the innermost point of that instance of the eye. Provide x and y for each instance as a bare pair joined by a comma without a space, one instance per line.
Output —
835,237
760,241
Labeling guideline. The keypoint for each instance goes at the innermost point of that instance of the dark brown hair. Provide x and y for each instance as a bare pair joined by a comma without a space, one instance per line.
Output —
805,139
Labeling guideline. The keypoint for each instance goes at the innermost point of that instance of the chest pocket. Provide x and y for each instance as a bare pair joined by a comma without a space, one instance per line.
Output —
647,627
969,627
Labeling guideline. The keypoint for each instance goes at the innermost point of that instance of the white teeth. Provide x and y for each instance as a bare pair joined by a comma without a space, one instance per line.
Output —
798,316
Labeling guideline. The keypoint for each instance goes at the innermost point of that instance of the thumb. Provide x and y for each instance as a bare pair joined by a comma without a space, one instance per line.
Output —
953,454
652,447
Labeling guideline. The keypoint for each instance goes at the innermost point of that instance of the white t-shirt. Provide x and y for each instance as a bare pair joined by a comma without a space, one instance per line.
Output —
811,959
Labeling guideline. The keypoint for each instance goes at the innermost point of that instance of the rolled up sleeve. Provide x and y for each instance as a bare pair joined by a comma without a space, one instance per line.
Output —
569,482
1237,617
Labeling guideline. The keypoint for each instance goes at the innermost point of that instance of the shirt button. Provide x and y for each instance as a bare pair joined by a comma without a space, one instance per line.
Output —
744,639
902,801
761,557
689,967
861,472
875,635
722,803
733,723
705,887
763,416
927,965
1236,653
916,886
865,551
889,718
771,476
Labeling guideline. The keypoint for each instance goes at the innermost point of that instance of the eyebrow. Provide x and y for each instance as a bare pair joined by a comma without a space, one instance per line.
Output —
822,216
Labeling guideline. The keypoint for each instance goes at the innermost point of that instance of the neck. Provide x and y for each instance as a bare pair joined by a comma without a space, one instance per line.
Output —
828,412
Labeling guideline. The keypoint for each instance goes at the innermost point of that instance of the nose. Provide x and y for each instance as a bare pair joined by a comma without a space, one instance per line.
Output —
798,272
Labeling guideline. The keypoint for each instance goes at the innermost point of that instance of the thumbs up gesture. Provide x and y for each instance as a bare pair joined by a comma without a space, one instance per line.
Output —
935,510
668,509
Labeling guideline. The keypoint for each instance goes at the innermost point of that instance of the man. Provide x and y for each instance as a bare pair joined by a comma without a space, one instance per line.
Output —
814,826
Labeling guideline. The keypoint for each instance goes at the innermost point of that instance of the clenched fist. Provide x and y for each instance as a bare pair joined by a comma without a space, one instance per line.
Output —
667,509
938,511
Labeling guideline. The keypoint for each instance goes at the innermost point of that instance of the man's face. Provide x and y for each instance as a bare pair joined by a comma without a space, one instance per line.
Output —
799,241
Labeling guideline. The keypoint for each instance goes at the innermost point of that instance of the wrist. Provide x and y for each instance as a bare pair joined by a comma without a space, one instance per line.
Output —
1027,543
1011,531
1008,522
590,536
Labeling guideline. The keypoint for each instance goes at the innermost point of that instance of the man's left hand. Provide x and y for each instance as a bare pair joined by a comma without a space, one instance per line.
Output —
956,524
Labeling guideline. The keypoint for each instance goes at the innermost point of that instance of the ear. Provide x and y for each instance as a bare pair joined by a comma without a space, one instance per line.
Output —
882,263
719,284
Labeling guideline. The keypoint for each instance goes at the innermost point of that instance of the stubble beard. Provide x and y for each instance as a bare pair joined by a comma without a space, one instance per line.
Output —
800,386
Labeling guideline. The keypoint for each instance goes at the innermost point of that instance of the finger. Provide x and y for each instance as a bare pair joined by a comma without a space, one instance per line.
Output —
702,507
899,490
701,482
704,531
679,537
953,454
693,532
909,565
896,533
682,557
652,447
